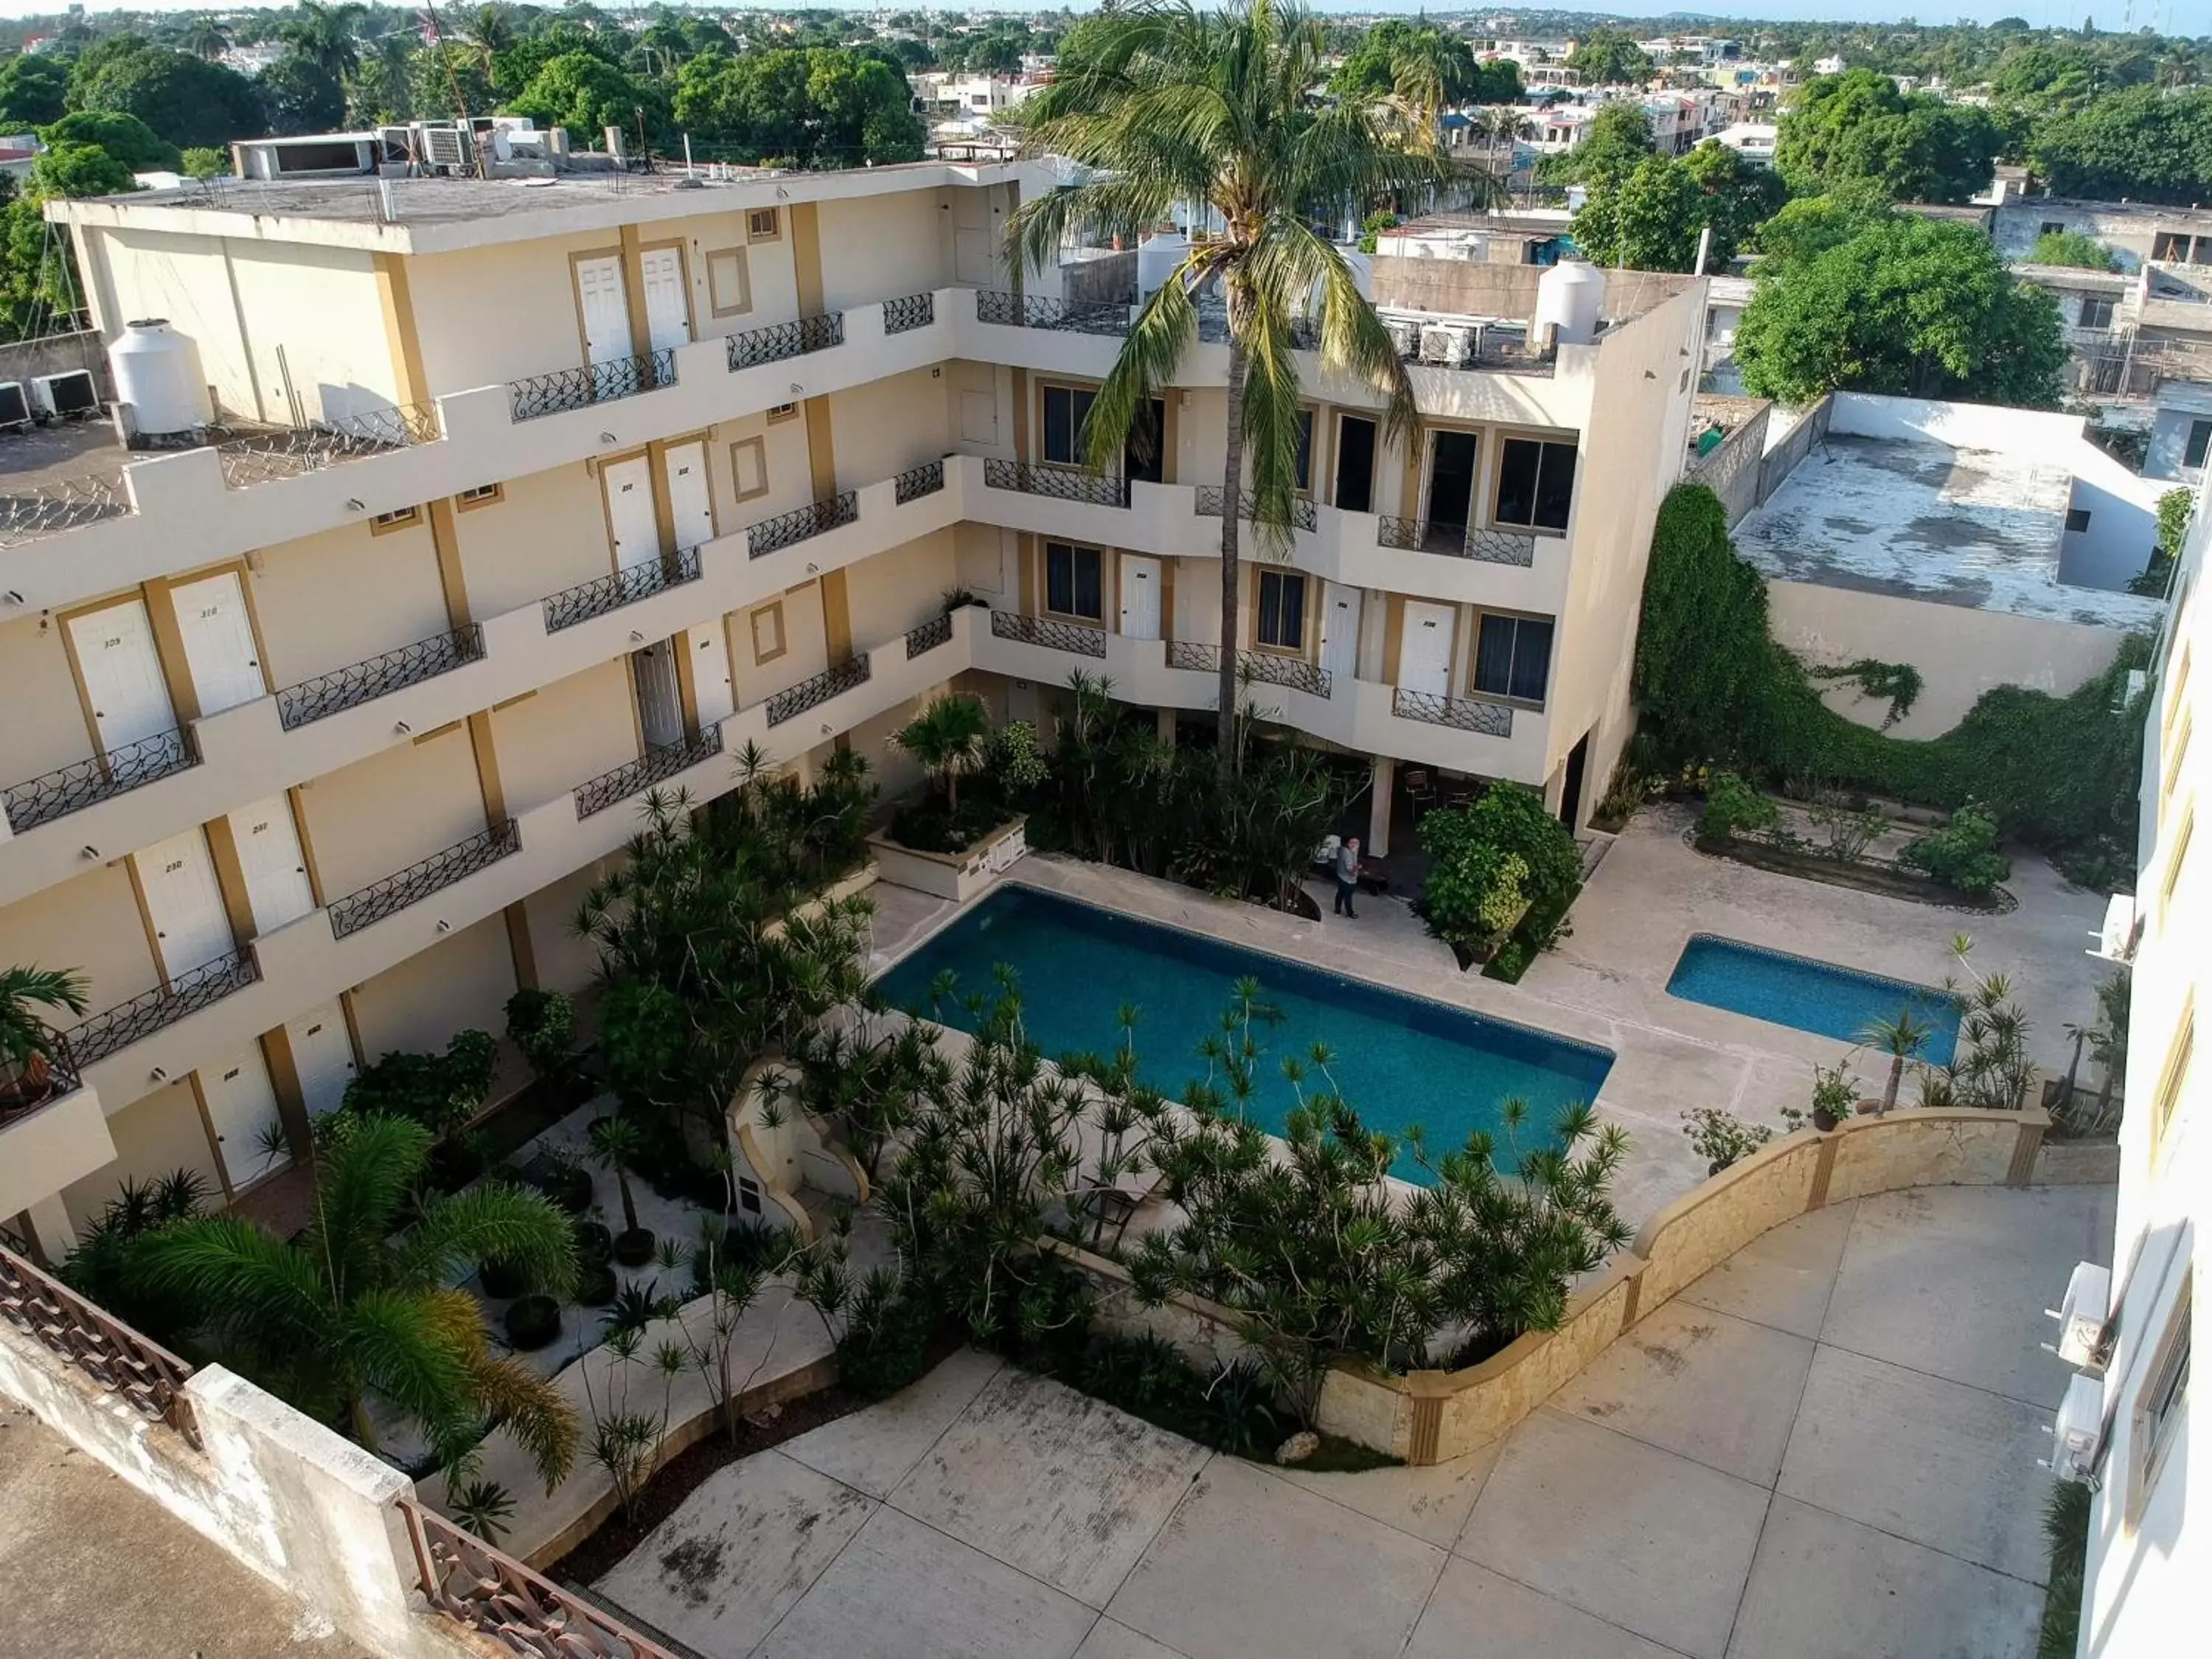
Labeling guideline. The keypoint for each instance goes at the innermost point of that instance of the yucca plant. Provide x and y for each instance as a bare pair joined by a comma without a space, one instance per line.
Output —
26,1037
1901,1038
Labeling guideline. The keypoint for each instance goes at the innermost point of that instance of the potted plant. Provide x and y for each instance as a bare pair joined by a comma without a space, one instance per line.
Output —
1720,1137
595,1285
532,1322
501,1280
562,1178
25,1040
1835,1092
543,1025
595,1245
617,1142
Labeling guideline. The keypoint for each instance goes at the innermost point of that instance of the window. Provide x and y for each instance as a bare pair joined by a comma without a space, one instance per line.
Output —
1305,450
767,632
2178,753
398,519
1282,609
2200,441
2171,245
2165,1402
2053,227
481,496
1513,657
1535,484
749,467
763,225
749,1195
782,412
2077,519
2175,860
1065,408
729,283
2096,311
1072,583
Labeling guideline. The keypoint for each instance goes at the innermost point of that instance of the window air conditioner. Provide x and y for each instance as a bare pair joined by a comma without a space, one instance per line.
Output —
1445,344
1405,334
71,395
2075,1435
444,147
2081,1317
14,404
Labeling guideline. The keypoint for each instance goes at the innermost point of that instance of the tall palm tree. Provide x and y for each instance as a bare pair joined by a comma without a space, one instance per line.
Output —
361,1306
1901,1038
1169,105
489,29
204,35
324,35
949,738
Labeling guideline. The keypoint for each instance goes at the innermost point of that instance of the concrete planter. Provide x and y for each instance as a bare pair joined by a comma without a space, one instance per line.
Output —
955,876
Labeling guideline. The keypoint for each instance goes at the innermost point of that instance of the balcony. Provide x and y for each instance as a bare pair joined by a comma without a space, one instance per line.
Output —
617,589
341,689
45,510
780,341
1255,667
831,682
1490,720
371,904
916,482
1059,484
1071,637
655,766
1457,541
913,311
127,1022
594,383
84,783
1210,497
263,457
937,631
51,1135
786,529
1029,311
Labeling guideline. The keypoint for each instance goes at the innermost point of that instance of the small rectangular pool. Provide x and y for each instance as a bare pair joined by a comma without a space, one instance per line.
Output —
1812,996
1398,1060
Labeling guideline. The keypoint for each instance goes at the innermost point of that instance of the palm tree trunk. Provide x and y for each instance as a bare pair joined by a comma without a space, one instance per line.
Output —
1896,1077
629,1203
1232,496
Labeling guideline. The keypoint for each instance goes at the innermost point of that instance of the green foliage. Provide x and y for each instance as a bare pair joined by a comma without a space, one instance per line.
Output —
33,91
1618,140
40,292
888,1337
2175,509
1898,683
186,100
948,738
441,1093
1372,227
1734,807
1835,1089
1906,308
2071,247
204,163
1963,855
1609,56
585,93
543,1025
2146,143
1713,686
301,95
823,107
1490,862
104,1267
1720,1137
79,170
25,1034
1857,127
2066,1529
124,136
1990,1069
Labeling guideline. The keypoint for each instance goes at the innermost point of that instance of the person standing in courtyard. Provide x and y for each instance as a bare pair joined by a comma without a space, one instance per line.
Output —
1347,877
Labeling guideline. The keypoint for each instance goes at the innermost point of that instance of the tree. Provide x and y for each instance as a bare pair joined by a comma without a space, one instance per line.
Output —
2143,144
125,137
1172,105
1394,46
361,1306
1618,139
204,35
186,100
2071,247
1491,860
587,95
1610,56
489,30
34,92
324,35
204,163
825,107
26,1039
1648,218
1901,1038
949,738
1857,129
301,96
79,170
1905,307
40,292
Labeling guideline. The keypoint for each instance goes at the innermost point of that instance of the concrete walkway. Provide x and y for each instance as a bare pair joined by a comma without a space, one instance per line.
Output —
1824,1450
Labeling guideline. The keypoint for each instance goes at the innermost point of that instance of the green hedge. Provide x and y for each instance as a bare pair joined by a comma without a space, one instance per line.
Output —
1713,687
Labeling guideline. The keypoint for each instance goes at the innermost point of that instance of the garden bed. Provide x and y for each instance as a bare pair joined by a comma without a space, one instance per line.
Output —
1864,875
955,876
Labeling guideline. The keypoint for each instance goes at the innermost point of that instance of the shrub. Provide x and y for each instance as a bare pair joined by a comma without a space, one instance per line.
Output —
543,1025
533,1322
439,1091
1493,860
1733,807
1963,855
887,1339
1720,1137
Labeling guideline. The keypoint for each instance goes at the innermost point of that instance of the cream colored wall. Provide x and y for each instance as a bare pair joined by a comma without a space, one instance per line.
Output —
880,429
566,961
790,473
1960,652
549,532
93,924
978,409
774,278
882,249
461,983
895,770
564,734
328,601
154,1135
380,815
185,279
806,650
986,560
903,588
45,726
314,318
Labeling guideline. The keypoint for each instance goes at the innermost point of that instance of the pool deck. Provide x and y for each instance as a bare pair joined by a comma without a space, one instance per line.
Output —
1606,982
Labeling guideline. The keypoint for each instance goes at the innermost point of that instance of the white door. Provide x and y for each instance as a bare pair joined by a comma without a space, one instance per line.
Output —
122,674
629,511
689,502
1425,650
1339,632
275,870
667,314
241,1106
219,647
1140,596
659,703
975,242
184,902
605,304
322,1054
710,674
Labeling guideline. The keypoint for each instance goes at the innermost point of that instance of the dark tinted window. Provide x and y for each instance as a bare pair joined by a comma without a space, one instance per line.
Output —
1535,484
1072,585
1066,410
1282,609
1513,657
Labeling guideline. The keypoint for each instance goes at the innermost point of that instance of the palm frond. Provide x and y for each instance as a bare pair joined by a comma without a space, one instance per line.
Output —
490,1221
1165,327
400,1345
533,1410
267,1293
359,1186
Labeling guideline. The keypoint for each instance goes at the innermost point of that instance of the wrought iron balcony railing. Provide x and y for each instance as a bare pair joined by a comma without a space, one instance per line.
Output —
347,687
1030,310
919,481
909,312
811,693
594,383
1457,541
1211,496
1061,483
395,892
47,509
1501,547
617,589
778,341
484,1590
801,522
133,1367
653,766
84,783
259,457
1293,673
1052,635
1491,720
55,1067
937,631
113,1029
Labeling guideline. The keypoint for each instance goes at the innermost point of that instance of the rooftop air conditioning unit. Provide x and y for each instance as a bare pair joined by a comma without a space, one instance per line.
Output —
2078,1432
2081,1317
444,147
1444,344
69,396
1405,334
14,404
2116,934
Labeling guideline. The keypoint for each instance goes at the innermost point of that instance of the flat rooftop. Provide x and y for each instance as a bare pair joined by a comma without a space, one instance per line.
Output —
1979,528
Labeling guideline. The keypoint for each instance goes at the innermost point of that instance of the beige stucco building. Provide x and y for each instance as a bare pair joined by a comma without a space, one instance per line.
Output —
552,492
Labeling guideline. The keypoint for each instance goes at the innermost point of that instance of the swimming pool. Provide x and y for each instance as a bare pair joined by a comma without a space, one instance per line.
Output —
1398,1060
1812,996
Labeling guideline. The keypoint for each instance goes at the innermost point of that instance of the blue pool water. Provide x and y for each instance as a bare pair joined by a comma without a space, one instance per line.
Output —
1398,1059
1813,996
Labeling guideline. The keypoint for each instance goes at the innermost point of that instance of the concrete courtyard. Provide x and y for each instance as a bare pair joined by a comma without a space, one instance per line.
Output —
1824,1450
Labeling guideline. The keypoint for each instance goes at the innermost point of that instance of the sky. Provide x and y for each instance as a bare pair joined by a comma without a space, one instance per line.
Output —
2189,17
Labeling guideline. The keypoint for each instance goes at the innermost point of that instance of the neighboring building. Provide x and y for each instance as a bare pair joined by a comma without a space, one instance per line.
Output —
1752,140
2150,1525
2137,233
1528,236
549,494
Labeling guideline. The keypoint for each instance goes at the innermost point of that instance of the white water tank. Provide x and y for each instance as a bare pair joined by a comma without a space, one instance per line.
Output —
156,373
1156,257
1570,303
